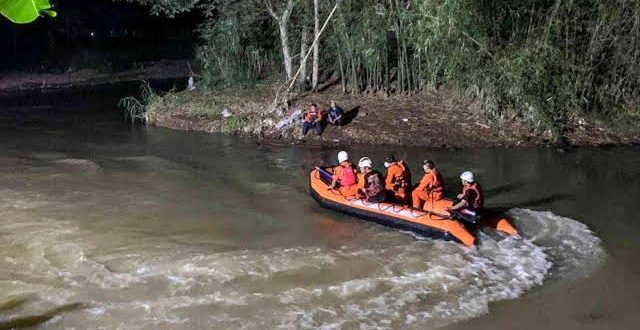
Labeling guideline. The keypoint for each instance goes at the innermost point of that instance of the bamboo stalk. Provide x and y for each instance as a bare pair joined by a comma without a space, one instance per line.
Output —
344,85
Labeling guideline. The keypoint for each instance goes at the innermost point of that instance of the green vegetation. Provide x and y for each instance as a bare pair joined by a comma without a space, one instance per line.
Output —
135,109
544,62
25,11
234,124
208,105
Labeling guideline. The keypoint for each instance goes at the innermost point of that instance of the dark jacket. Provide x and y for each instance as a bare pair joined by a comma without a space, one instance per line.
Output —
335,112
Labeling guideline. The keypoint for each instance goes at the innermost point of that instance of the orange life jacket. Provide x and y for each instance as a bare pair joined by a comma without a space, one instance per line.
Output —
311,116
401,180
405,178
478,201
436,185
360,177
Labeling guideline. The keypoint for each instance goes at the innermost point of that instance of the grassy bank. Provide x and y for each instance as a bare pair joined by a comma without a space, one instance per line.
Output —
436,118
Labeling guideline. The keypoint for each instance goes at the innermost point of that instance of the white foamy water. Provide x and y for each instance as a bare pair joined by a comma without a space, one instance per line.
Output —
571,246
393,281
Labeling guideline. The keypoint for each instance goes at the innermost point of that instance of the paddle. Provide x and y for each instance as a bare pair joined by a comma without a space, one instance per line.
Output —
454,215
444,217
324,175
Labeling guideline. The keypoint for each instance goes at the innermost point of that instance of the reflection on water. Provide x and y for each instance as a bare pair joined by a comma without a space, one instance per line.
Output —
106,226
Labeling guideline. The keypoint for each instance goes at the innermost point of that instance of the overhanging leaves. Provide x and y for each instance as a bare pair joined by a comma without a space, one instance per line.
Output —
25,11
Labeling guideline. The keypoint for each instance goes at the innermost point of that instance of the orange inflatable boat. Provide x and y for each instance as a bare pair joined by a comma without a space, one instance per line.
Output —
435,221
389,214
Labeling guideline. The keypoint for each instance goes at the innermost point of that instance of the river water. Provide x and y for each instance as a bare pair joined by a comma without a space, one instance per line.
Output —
108,226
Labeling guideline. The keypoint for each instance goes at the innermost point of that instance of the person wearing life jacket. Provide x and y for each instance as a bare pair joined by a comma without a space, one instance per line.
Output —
344,177
362,164
312,119
471,201
430,187
370,182
398,179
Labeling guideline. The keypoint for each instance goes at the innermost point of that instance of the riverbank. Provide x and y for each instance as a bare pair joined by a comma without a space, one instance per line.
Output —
27,81
437,119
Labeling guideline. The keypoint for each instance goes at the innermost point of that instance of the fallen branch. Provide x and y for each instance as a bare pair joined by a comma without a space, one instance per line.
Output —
483,125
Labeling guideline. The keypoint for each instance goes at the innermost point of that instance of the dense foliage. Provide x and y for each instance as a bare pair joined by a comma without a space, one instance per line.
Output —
541,60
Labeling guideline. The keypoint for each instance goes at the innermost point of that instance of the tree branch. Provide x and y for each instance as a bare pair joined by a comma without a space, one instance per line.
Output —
269,6
292,80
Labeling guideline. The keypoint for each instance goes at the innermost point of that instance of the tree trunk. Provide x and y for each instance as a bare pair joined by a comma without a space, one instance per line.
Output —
407,65
400,66
303,59
291,81
282,21
344,84
419,73
286,53
316,46
354,77
387,74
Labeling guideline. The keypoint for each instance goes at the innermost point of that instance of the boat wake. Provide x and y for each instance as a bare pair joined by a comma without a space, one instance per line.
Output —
571,246
394,282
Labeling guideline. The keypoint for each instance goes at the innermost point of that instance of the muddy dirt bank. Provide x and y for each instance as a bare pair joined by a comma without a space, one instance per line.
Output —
26,81
436,119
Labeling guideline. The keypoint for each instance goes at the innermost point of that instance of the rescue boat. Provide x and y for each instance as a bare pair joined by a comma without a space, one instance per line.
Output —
434,221
389,214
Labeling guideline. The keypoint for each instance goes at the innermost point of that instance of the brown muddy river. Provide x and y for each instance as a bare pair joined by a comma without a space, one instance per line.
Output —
108,226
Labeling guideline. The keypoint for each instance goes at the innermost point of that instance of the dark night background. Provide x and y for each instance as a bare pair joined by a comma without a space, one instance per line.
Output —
99,34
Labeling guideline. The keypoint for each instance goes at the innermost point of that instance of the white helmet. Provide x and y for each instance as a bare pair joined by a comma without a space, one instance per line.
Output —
364,162
343,156
467,176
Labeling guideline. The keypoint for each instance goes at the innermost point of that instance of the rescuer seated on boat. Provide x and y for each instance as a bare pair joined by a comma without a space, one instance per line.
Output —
430,187
398,179
312,119
344,177
370,182
470,202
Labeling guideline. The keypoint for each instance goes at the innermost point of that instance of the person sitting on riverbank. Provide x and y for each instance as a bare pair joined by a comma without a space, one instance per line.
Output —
370,182
430,187
312,119
336,114
398,179
470,201
344,177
